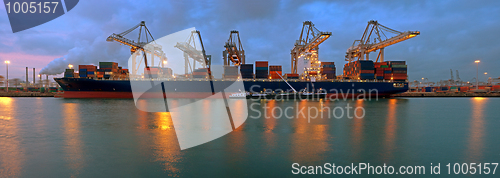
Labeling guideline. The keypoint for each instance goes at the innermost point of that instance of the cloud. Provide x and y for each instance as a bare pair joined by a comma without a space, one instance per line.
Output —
453,33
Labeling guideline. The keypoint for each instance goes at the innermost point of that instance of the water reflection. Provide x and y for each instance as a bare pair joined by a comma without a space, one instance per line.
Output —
476,131
72,132
164,144
309,141
270,124
390,129
11,155
357,129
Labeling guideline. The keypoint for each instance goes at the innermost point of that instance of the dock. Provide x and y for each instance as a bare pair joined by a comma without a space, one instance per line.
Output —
446,94
27,94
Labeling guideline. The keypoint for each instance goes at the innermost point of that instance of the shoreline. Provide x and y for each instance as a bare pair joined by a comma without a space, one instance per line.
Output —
445,94
401,95
26,94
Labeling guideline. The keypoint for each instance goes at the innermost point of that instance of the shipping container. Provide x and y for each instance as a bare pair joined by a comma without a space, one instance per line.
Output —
261,64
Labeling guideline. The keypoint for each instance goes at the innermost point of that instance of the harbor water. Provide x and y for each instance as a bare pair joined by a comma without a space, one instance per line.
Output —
52,137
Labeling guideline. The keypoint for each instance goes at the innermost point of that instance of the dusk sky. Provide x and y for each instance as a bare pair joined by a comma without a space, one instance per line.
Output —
453,33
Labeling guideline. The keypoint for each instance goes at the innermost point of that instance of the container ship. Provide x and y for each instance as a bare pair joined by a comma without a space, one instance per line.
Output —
365,78
361,76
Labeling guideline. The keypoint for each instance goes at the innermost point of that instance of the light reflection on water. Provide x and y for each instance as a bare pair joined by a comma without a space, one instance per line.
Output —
120,140
165,146
357,130
476,130
390,129
11,152
73,146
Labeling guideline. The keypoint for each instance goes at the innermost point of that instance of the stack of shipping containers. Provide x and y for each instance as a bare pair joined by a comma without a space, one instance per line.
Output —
261,69
231,72
363,70
399,70
292,76
380,70
200,73
387,73
167,72
152,73
109,69
87,71
328,70
246,70
274,71
69,73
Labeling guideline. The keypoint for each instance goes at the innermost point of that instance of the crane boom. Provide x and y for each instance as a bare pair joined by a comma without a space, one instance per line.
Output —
144,46
309,40
190,51
363,47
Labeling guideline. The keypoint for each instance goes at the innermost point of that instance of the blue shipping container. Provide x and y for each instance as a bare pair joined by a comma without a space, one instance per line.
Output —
403,69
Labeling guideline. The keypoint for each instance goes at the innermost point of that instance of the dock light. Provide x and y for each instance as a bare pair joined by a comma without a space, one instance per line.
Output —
485,73
70,66
7,62
165,62
477,61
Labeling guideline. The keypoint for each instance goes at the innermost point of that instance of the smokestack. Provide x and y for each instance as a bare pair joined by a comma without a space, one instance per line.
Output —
27,81
34,78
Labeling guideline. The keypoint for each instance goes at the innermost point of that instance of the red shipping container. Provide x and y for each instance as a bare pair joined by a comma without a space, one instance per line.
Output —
261,63
399,75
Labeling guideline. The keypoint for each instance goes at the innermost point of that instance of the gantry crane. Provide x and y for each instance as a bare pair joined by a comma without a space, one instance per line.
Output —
153,49
452,79
234,52
190,51
309,40
362,48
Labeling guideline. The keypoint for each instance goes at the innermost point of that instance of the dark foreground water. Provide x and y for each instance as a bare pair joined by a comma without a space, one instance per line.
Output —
50,137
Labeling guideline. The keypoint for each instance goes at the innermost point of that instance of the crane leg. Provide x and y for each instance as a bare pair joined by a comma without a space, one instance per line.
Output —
382,54
152,60
224,57
134,63
186,64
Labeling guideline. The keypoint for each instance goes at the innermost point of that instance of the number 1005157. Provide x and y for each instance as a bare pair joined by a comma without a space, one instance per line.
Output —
472,168
31,7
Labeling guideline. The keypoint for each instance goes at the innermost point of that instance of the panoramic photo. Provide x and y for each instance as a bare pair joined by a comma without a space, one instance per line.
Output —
258,88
